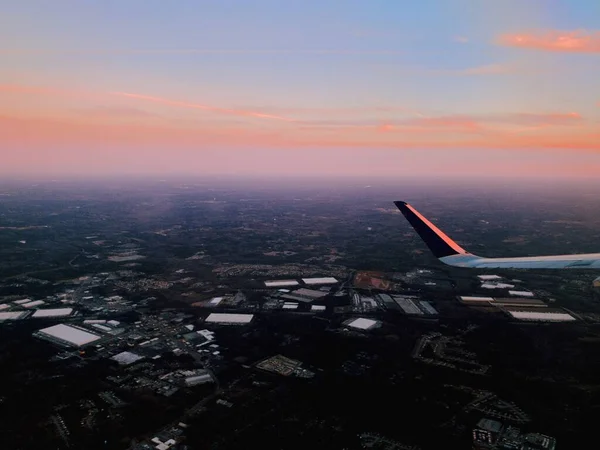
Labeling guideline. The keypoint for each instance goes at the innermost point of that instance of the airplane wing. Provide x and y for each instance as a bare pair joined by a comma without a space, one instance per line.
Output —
449,252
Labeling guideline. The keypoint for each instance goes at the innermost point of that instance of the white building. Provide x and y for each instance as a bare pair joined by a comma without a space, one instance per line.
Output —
68,335
224,318
322,280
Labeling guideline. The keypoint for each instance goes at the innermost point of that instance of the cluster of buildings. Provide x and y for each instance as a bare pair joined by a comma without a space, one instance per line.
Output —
285,366
447,351
408,304
517,304
493,435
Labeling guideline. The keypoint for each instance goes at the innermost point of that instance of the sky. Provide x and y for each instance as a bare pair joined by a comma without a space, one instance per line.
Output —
382,87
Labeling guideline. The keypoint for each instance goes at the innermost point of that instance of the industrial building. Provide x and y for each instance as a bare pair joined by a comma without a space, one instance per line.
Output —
521,293
199,378
489,277
13,315
362,324
55,312
549,315
126,358
67,335
277,283
304,295
22,301
229,319
469,300
33,303
497,286
215,301
528,302
322,280
503,302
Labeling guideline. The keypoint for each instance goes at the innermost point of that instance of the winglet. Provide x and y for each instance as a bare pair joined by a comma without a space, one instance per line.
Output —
437,241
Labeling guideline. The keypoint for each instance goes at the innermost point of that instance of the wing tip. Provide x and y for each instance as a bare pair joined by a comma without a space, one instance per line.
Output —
437,241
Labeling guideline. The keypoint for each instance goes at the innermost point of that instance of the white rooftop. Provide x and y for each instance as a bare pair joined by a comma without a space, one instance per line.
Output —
322,280
4,306
33,303
541,316
497,285
126,358
465,298
24,300
274,283
521,293
56,312
290,306
69,334
215,301
489,277
229,318
318,308
14,315
363,324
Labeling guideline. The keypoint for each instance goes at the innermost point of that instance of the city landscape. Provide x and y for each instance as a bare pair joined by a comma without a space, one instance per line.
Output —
229,313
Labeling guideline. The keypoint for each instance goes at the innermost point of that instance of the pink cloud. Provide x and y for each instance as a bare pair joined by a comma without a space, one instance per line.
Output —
33,90
578,41
112,112
38,134
235,112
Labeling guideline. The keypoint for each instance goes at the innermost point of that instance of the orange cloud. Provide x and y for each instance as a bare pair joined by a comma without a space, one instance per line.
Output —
579,41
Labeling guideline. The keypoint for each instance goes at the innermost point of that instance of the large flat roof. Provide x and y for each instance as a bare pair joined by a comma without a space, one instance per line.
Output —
467,298
23,300
33,303
522,293
322,280
71,335
274,283
13,315
363,324
542,316
56,312
126,358
497,286
309,293
229,318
